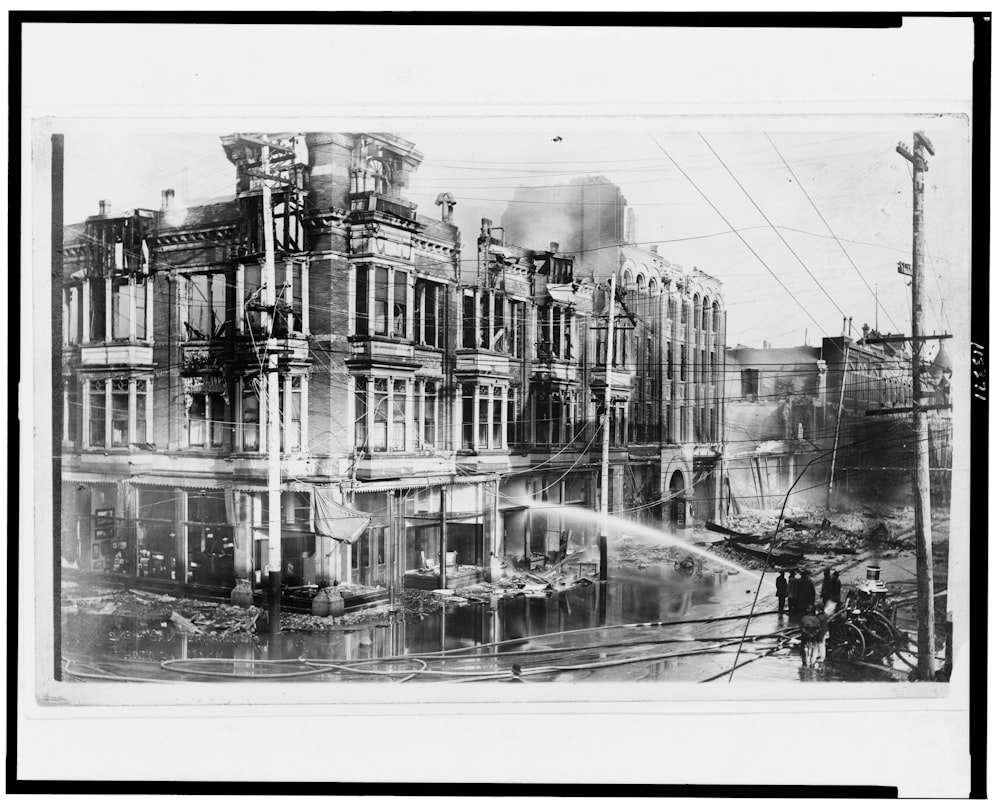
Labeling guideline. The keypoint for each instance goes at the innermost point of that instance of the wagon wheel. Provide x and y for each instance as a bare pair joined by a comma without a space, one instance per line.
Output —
882,636
847,642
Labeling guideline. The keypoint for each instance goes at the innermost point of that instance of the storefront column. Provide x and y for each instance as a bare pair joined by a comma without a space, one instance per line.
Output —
181,538
243,535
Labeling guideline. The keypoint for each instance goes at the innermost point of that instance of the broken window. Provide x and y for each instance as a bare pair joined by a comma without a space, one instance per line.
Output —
361,300
428,326
292,292
98,289
72,321
206,420
207,315
749,382
253,319
469,320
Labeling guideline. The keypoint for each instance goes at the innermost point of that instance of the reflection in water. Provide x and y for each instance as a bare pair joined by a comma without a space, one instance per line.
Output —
535,633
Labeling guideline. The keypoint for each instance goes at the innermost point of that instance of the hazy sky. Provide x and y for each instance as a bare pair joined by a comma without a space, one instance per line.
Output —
856,180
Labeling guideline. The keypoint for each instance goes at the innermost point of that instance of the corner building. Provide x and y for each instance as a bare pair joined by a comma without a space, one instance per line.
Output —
164,460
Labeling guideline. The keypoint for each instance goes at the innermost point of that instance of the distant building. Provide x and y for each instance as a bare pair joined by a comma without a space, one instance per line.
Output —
787,407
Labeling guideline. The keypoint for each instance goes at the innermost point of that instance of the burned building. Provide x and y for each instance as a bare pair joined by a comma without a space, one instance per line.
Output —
815,411
169,327
667,355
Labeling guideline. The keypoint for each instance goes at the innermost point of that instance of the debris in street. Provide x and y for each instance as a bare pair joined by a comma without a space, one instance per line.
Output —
184,625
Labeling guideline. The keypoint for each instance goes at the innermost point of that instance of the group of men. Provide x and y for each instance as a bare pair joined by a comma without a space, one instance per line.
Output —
800,592
801,595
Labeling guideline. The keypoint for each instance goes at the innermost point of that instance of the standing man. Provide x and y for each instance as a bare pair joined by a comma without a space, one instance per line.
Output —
793,593
806,593
781,589
832,603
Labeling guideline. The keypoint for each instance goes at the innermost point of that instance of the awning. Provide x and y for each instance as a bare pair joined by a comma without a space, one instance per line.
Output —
334,520
363,487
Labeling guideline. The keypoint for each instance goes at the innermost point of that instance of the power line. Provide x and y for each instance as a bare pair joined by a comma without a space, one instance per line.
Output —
734,230
829,228
764,215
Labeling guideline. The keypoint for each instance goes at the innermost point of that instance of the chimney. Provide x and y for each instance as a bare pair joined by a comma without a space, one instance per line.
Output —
105,206
553,246
864,331
484,226
167,200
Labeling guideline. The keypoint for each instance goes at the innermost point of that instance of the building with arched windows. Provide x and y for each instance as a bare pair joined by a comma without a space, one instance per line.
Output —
667,350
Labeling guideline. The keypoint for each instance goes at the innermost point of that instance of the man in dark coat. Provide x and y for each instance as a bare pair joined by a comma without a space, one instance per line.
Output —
824,588
806,593
793,593
781,589
834,592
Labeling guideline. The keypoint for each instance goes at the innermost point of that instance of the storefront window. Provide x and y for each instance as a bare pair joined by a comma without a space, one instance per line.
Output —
156,533
210,539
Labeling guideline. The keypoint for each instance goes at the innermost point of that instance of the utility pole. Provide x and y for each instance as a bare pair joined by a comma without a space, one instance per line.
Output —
269,298
921,447
840,410
606,445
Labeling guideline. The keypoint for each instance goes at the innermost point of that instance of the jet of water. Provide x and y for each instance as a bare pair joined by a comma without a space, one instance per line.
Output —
613,525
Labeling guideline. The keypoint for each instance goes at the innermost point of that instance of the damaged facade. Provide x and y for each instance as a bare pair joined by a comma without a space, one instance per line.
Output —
791,406
413,402
669,342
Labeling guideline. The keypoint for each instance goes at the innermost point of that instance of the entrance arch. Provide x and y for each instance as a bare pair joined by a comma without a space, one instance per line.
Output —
678,500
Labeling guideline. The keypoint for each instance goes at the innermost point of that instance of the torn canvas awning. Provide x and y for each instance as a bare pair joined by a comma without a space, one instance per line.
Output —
335,520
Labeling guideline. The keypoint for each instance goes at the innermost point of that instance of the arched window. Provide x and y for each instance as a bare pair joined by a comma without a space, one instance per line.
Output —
705,308
654,286
381,175
716,317
696,310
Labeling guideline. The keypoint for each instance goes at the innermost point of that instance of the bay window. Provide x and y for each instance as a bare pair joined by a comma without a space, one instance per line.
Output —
425,413
253,417
123,318
380,408
484,417
381,301
207,420
117,408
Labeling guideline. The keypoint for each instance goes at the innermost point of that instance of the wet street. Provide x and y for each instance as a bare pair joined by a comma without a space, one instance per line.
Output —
650,624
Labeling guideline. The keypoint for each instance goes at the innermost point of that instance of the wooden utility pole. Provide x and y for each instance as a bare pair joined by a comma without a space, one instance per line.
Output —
921,447
840,410
269,298
606,442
